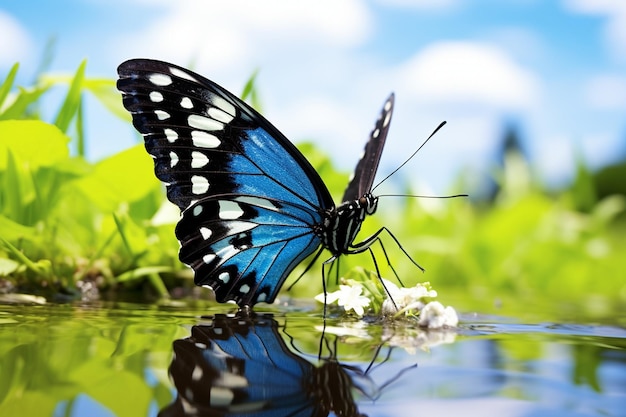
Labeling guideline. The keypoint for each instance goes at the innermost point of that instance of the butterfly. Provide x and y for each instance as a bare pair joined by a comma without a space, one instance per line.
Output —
252,206
241,366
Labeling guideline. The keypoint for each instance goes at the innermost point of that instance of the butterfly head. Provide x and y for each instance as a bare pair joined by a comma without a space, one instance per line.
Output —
369,203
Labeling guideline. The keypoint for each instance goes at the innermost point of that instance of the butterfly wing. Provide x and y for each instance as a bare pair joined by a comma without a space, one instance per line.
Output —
238,366
249,198
365,171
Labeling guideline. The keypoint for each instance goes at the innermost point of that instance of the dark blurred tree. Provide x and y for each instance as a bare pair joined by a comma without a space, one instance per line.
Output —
509,144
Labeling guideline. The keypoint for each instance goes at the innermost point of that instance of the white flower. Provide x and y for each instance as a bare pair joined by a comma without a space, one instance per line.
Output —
435,316
407,299
349,297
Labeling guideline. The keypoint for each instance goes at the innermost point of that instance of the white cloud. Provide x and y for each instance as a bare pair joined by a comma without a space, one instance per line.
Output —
15,43
607,92
615,11
469,73
332,124
225,34
445,5
523,42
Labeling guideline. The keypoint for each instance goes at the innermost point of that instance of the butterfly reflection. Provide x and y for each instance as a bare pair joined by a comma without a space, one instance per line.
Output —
241,366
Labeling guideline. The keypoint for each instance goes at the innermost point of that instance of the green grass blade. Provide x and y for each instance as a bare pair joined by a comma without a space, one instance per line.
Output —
80,131
72,99
41,267
250,91
25,98
122,231
150,272
105,91
8,84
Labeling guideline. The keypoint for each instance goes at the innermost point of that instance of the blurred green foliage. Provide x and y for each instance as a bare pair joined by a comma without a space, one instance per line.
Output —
65,221
68,355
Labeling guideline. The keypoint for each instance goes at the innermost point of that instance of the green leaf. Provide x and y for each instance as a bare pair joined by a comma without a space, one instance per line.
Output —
14,231
29,403
124,177
32,142
7,267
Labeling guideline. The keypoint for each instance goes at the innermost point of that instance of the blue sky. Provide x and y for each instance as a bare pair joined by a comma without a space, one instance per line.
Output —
554,68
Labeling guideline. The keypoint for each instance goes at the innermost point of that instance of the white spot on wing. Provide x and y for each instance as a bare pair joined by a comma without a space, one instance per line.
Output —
375,133
224,277
208,258
189,395
198,159
387,119
229,210
196,374
170,135
205,232
240,227
204,140
221,397
197,210
162,115
244,289
173,159
256,201
204,123
182,74
231,380
156,97
186,103
199,184
261,297
160,79
220,115
224,105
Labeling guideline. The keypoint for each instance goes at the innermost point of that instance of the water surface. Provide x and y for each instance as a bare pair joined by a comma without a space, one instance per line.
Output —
113,360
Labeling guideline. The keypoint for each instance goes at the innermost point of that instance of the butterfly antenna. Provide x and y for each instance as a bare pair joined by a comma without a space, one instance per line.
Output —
424,196
412,155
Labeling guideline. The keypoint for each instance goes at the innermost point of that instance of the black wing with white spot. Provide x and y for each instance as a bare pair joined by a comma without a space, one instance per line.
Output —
365,171
250,199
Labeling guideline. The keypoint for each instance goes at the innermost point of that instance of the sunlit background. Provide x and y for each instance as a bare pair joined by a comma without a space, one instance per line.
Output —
554,71
536,271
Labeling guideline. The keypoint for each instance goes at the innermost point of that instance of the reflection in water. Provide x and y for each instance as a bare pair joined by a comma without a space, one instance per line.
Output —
241,366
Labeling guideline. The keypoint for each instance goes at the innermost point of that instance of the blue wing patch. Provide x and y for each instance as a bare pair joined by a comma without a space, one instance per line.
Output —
251,202
245,247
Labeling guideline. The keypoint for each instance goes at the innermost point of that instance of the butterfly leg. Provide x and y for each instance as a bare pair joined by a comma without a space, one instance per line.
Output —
326,262
325,292
308,267
389,262
364,245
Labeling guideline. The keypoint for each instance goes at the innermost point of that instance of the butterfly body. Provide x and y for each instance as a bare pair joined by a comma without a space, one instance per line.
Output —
342,224
252,206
